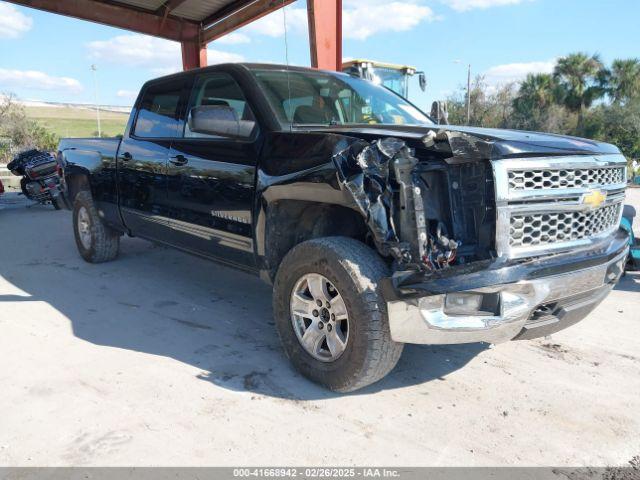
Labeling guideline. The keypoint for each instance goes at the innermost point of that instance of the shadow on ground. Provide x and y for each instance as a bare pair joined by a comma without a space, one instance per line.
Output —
162,302
630,282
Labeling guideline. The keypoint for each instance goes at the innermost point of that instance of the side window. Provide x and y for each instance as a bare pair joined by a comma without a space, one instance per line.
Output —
218,109
158,111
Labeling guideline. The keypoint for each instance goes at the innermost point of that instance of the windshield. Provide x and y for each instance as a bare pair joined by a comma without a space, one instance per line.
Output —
321,98
393,79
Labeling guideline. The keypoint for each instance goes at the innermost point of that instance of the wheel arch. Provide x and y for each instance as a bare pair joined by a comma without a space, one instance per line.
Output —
288,222
78,166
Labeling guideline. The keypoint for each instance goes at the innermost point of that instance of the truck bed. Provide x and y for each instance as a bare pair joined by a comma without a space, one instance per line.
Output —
107,147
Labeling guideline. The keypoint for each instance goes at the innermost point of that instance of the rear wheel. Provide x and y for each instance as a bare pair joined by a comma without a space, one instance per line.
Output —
330,315
96,242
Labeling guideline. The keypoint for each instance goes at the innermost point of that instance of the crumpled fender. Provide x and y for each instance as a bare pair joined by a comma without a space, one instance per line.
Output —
460,146
363,170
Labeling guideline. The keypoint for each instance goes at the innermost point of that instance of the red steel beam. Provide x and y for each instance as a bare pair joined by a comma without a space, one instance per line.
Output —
119,16
194,54
325,33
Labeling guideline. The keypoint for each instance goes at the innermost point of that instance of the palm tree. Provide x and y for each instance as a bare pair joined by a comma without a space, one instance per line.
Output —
623,80
536,91
580,76
536,95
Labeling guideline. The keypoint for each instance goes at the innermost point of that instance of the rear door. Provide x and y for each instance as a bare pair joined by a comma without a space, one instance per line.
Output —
143,158
211,174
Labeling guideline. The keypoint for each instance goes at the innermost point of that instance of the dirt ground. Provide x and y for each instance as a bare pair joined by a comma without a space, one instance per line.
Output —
161,358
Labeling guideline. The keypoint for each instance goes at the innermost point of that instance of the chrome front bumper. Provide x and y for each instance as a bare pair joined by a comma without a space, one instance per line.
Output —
423,320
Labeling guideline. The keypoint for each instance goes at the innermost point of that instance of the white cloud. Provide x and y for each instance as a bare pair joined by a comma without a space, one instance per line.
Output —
233,38
160,56
272,25
218,56
464,5
127,94
516,72
369,19
136,51
13,23
33,79
361,19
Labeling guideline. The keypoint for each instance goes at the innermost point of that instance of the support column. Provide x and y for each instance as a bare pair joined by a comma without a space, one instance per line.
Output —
194,54
325,33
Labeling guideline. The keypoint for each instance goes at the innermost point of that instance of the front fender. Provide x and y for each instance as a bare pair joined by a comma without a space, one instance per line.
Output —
297,168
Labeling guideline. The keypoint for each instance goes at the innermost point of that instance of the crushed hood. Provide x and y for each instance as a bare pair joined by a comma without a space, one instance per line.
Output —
492,143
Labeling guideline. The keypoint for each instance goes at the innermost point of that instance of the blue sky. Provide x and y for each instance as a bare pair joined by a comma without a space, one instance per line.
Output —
47,57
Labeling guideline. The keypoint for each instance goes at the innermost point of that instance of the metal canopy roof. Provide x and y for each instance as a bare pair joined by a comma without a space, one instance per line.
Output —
180,20
194,23
198,11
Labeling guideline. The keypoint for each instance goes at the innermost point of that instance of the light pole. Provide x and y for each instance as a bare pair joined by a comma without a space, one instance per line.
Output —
468,90
469,95
95,86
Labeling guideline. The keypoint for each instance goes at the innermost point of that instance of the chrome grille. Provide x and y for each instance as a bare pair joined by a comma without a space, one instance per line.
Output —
564,178
546,205
547,228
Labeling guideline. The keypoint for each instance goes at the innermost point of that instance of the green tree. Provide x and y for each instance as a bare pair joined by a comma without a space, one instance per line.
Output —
535,97
564,103
490,106
623,80
617,124
581,79
537,91
17,132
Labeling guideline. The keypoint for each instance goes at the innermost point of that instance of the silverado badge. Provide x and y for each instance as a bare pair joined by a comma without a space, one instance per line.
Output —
594,198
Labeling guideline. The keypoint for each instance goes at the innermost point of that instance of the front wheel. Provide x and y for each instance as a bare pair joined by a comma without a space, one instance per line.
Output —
330,315
96,242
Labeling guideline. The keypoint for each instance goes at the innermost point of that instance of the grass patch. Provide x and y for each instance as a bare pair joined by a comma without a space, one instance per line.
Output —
78,122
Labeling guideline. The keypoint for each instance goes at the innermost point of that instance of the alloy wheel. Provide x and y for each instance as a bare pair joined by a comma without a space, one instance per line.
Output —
84,227
319,317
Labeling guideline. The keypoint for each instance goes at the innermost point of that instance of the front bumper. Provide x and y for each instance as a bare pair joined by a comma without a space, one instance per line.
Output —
534,298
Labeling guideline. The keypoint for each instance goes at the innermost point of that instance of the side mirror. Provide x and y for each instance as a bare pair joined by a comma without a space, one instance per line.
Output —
217,120
422,79
440,113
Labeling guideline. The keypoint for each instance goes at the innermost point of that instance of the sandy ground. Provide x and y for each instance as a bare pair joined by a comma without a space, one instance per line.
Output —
160,358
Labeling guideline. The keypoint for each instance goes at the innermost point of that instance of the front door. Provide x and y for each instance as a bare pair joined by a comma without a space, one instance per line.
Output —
211,174
143,157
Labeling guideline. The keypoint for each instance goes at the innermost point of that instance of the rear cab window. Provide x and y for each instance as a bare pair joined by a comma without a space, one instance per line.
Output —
159,110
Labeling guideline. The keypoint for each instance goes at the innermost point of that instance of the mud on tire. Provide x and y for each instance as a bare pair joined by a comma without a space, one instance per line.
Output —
354,270
103,242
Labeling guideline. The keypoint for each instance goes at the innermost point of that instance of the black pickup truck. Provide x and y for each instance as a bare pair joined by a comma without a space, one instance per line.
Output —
375,226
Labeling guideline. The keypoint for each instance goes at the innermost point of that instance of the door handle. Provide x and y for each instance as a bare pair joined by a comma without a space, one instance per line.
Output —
126,156
179,160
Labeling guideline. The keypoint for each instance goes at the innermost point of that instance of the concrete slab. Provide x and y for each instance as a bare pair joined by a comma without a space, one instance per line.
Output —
161,358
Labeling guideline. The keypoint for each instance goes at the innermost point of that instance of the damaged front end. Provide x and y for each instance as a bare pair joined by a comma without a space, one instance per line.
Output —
433,208
428,207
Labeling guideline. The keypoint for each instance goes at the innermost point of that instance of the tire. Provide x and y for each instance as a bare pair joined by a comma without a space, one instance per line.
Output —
353,271
101,243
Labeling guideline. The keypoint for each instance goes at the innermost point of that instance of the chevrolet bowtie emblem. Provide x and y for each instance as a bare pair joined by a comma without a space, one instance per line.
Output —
594,198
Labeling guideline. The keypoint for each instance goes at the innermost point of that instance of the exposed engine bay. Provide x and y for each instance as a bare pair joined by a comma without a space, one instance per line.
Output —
428,206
